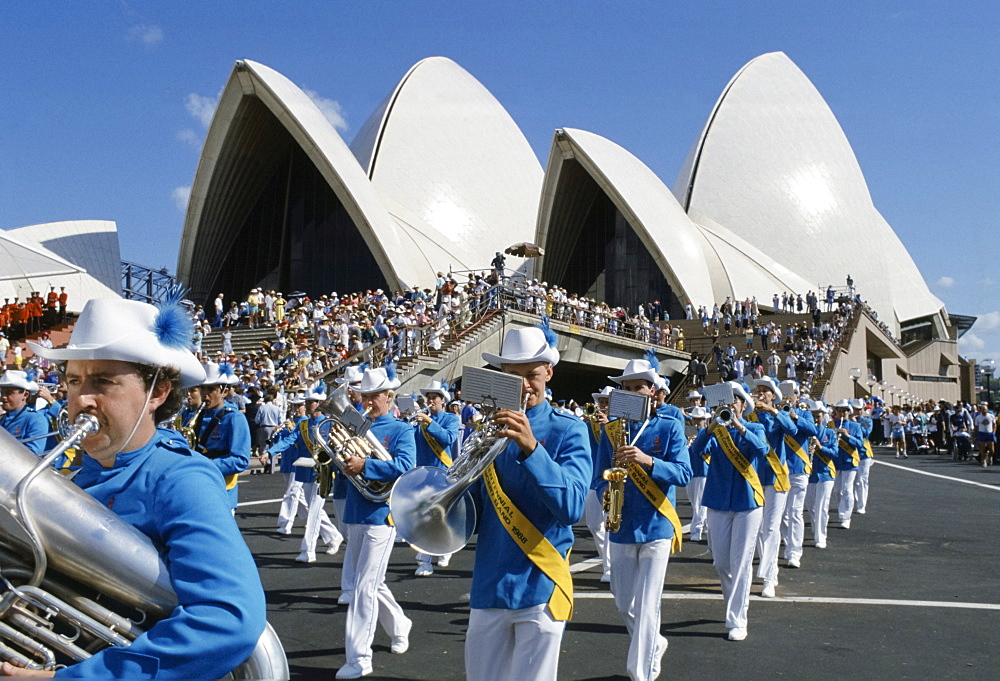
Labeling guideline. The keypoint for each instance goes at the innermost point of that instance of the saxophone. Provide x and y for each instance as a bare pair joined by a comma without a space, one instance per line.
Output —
188,430
614,495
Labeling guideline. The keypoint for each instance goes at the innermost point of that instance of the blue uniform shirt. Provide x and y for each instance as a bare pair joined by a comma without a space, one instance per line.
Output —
663,439
27,423
227,444
292,447
549,488
855,438
776,426
443,428
805,429
725,488
397,438
178,500
829,448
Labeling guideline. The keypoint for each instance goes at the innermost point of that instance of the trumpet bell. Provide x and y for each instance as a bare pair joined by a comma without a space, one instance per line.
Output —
423,519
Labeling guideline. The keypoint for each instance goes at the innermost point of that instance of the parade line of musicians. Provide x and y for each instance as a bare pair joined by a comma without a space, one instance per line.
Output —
750,469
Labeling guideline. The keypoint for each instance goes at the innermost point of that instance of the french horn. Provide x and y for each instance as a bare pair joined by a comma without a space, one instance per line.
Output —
56,583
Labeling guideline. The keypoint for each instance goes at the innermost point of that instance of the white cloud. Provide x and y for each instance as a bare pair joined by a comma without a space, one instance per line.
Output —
986,281
189,136
201,107
970,343
181,195
146,34
946,282
331,109
987,322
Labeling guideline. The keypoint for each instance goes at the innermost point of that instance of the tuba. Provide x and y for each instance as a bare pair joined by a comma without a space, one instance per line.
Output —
614,495
343,434
65,610
431,507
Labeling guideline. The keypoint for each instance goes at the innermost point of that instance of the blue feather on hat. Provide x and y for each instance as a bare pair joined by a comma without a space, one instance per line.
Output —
390,371
550,336
650,357
173,325
226,369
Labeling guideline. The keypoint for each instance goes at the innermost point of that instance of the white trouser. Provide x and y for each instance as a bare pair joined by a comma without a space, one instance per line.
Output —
637,572
593,512
372,602
292,504
695,489
347,571
769,535
503,645
793,524
861,485
732,536
338,514
318,523
843,492
818,503
426,558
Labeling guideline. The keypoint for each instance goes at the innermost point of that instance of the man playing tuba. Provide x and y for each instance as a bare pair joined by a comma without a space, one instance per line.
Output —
126,364
530,496
650,529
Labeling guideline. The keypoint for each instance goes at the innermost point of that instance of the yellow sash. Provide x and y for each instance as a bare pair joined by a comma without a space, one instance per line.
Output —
781,483
829,464
794,445
595,427
658,499
435,446
868,450
536,547
851,451
306,435
740,462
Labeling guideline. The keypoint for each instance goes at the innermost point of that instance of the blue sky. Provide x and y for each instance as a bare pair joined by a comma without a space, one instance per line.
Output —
107,102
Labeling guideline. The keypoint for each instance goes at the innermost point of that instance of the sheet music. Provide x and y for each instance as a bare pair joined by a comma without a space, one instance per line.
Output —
406,403
356,421
787,391
628,405
485,386
721,393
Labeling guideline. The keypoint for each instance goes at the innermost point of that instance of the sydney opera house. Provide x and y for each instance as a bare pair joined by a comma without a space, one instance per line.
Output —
770,198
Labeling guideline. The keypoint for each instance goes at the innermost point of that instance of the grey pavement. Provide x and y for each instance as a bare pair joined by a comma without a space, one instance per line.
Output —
911,591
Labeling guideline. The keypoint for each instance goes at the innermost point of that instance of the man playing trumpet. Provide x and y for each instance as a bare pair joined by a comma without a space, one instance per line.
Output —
650,530
522,591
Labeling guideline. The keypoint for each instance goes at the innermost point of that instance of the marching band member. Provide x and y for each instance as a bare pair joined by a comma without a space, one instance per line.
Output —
20,419
293,502
735,499
799,468
774,477
369,531
698,417
223,432
824,472
593,509
864,420
434,432
650,528
851,441
126,364
352,379
521,597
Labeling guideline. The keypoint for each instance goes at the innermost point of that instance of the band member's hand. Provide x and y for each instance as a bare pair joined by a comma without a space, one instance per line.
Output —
518,429
764,406
842,431
422,419
601,417
627,453
44,393
8,669
354,466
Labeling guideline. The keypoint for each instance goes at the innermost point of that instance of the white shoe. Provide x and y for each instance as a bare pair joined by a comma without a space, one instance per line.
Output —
793,563
737,633
424,570
606,578
354,671
306,557
332,549
661,649
846,524
400,644
821,546
284,530
859,511
444,561
766,592
344,598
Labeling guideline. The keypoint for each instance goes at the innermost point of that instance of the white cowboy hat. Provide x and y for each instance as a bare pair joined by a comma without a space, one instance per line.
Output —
815,405
437,387
132,331
17,379
740,392
858,403
297,398
794,385
218,374
843,404
316,395
605,393
377,380
767,382
699,412
352,375
637,369
525,346
694,395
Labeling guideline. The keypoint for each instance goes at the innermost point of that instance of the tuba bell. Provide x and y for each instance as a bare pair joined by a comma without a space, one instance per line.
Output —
64,610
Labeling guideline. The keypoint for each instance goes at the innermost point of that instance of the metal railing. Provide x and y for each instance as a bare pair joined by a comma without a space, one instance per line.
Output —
145,284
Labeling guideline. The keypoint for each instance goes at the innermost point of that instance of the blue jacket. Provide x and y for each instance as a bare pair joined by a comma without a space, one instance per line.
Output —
548,487
829,448
663,439
397,438
179,501
227,444
805,429
443,428
854,439
866,429
725,488
776,427
292,447
27,423
699,467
